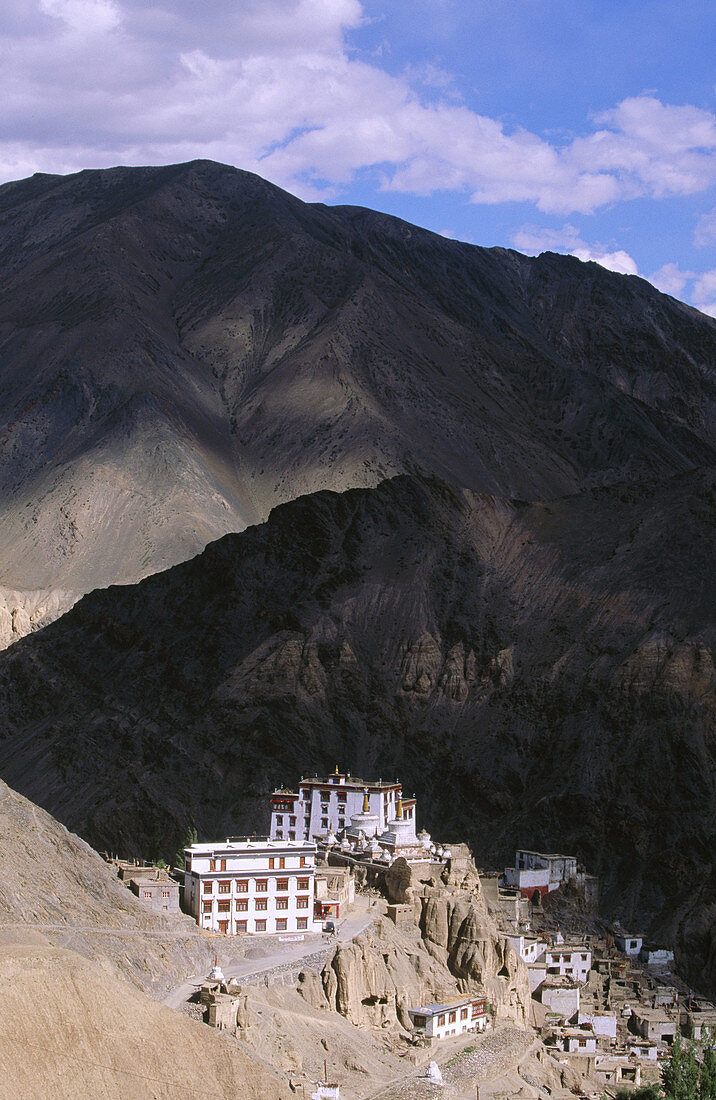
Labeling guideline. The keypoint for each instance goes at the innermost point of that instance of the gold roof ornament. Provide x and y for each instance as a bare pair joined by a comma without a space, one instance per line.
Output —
336,772
399,809
366,802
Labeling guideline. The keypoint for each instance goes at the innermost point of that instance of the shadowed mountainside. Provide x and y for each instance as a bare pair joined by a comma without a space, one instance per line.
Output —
537,673
182,348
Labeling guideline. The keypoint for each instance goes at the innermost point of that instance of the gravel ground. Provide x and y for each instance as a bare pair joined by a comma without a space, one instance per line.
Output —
487,1056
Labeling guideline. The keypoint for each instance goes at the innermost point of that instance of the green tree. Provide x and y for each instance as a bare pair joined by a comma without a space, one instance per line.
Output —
680,1073
707,1083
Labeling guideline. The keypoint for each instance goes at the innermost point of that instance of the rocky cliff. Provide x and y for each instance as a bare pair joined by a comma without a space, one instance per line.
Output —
185,347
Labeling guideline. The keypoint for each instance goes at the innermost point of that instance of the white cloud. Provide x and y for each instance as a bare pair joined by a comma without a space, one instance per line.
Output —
534,239
705,230
270,85
670,279
704,292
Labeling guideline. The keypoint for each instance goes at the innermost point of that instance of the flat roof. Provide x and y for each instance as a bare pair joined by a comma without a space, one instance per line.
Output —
544,855
249,844
336,782
436,1010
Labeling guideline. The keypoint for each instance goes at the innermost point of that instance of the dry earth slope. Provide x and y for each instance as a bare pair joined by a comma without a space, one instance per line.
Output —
181,348
538,673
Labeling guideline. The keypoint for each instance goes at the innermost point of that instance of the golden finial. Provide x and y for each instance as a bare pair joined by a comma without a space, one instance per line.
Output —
366,802
399,809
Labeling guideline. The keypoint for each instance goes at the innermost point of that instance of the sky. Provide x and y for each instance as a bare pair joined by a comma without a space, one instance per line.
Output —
586,127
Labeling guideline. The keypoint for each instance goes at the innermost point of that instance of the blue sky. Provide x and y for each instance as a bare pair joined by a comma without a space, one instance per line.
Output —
582,127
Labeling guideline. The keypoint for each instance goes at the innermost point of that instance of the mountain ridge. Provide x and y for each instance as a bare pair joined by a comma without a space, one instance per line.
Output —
184,347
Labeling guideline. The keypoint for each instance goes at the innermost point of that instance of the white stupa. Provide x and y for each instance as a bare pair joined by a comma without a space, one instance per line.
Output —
365,822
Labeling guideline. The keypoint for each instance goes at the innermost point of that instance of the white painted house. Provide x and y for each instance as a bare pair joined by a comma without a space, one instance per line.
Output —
322,806
529,948
627,943
568,960
251,884
440,1021
539,871
601,1023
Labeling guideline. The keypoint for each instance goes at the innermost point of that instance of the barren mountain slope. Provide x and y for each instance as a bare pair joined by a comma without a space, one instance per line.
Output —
69,1029
539,674
181,348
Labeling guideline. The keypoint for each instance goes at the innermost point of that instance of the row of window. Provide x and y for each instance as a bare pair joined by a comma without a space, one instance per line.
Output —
242,904
242,885
260,925
274,861
165,893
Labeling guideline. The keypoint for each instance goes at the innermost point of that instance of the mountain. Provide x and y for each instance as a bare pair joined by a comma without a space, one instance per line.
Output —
538,673
182,348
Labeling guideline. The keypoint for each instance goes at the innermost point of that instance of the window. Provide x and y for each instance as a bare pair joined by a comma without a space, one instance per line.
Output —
225,887
206,907
241,926
302,922
279,819
279,834
341,796
282,862
324,822
282,884
147,893
463,1013
292,835
224,906
261,885
271,863
166,894
441,1021
260,925
223,865
451,1018
282,903
208,887
302,902
223,926
212,864
292,820
302,884
242,887
302,861
242,906
261,903
280,924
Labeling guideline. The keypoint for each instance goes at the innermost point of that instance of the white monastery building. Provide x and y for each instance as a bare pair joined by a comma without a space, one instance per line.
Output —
251,884
321,807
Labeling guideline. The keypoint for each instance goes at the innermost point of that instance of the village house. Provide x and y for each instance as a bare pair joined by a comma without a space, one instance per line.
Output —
603,1024
251,884
654,1023
529,948
642,1048
539,872
157,891
561,996
628,943
335,892
440,1021
322,806
568,960
577,1040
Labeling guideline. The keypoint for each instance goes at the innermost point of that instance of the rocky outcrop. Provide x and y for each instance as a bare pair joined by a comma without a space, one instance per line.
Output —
458,931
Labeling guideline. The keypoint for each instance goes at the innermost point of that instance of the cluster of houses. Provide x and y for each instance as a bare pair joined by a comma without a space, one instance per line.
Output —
604,1005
